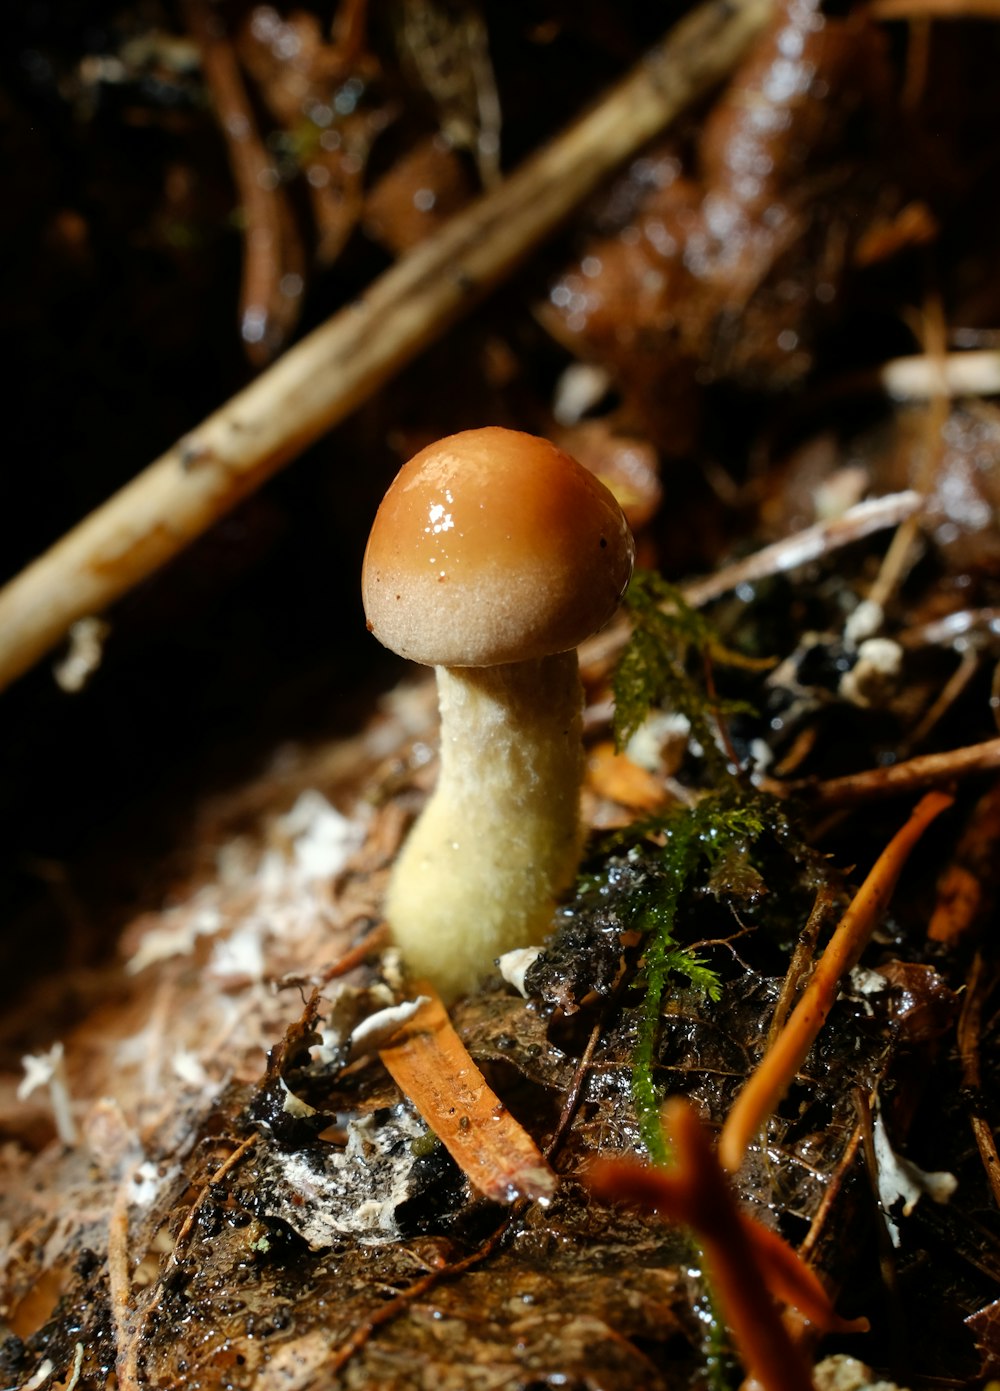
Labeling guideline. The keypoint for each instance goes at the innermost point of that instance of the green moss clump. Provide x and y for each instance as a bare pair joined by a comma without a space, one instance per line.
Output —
668,663
696,841
667,634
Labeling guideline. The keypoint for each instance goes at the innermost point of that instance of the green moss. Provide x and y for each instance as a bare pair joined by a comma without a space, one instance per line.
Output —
668,635
668,664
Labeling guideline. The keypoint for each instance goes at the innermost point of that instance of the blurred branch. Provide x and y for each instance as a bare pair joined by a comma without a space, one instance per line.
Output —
272,247
938,9
328,374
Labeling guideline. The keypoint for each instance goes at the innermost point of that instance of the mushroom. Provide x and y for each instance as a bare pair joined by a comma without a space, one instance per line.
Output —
492,556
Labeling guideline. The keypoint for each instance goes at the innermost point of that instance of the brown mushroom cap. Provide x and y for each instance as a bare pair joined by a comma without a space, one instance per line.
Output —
493,546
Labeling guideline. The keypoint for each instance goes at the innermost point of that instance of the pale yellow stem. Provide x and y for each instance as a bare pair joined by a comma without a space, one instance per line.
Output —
500,838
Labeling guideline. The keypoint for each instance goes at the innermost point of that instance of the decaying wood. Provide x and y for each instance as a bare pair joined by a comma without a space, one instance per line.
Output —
326,376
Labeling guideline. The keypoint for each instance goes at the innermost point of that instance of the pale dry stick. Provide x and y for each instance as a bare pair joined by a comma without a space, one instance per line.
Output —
924,375
120,1287
962,625
920,377
325,376
811,543
903,550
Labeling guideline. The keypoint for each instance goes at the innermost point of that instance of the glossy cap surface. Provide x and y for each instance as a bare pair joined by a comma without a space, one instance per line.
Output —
493,546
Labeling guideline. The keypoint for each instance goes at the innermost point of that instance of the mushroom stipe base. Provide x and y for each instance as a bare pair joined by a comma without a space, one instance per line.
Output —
500,839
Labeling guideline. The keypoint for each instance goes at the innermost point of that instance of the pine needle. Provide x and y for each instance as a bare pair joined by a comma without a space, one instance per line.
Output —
431,1065
777,1069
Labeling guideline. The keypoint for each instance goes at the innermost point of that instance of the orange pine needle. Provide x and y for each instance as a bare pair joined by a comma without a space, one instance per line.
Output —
613,775
431,1065
793,1282
767,1085
744,1261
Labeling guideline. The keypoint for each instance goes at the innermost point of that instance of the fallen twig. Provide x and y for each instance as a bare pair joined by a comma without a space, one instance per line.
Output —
767,1085
370,943
431,1065
951,691
391,1309
120,1285
226,1167
813,542
800,965
926,770
923,376
831,1194
325,376
572,1099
